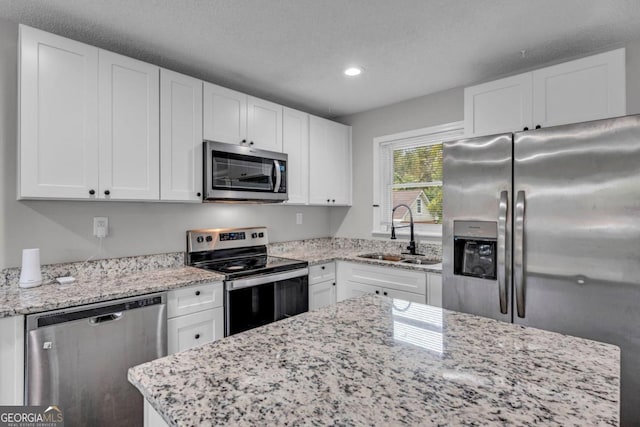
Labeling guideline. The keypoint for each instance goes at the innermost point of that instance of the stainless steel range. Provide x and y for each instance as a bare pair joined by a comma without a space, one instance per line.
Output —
259,288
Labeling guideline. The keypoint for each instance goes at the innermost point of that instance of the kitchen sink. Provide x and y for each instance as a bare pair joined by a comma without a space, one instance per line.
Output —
406,259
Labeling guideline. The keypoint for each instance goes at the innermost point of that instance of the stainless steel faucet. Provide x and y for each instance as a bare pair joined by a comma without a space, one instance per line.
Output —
412,242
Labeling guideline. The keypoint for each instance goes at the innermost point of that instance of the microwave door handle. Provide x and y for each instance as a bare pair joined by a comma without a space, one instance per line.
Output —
276,187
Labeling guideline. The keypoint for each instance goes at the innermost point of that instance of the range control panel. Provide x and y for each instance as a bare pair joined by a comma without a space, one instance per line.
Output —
225,238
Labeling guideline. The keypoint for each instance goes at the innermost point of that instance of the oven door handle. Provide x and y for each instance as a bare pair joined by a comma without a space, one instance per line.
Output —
268,278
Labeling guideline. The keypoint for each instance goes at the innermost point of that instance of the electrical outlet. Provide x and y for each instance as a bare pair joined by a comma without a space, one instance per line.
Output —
299,218
100,226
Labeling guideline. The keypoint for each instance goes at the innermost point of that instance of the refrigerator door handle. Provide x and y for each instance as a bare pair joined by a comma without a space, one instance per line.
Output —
502,250
518,253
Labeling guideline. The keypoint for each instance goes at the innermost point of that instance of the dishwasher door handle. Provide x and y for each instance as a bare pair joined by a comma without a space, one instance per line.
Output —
105,318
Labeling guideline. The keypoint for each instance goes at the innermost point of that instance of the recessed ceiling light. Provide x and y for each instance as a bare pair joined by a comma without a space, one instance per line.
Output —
352,71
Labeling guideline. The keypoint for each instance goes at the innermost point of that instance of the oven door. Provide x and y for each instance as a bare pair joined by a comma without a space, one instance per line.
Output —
244,173
255,301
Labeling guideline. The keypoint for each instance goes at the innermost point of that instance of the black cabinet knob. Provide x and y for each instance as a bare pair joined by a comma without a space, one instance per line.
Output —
538,126
197,336
244,141
322,267
526,128
92,192
385,294
107,192
251,143
377,292
197,293
334,283
333,200
198,194
328,200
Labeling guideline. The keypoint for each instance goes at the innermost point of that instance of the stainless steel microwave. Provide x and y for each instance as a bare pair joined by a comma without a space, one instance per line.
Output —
236,173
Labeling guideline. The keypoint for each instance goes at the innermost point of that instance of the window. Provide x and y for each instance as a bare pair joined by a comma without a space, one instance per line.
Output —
408,171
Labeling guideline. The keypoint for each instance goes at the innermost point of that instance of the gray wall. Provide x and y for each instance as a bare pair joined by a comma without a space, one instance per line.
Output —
63,230
425,111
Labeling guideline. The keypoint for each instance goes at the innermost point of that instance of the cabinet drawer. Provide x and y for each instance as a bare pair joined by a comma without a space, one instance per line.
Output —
195,329
322,272
194,299
384,277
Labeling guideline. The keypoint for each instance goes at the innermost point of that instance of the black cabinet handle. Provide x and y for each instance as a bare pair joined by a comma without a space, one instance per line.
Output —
538,126
92,192
197,336
198,194
385,294
107,192
197,293
526,128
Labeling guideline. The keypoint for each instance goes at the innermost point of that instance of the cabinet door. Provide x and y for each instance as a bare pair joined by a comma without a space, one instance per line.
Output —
350,289
499,106
405,296
329,162
225,114
180,137
295,142
434,286
322,294
585,89
194,329
58,148
194,298
129,128
11,360
322,272
264,124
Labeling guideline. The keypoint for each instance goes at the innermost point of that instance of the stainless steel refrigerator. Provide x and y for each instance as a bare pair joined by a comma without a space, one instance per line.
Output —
542,228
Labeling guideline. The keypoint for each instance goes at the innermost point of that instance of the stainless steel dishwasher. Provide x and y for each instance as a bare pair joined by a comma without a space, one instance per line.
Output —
78,358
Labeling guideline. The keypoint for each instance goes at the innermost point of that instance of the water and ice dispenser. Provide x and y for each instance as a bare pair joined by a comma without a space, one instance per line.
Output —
475,249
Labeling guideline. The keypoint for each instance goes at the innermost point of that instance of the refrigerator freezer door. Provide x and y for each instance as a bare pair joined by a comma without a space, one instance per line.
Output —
477,187
581,237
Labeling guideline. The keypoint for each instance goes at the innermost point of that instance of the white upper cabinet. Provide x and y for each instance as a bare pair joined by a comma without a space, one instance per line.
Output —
58,149
590,88
180,137
295,142
236,118
264,124
503,105
225,114
586,89
329,162
129,128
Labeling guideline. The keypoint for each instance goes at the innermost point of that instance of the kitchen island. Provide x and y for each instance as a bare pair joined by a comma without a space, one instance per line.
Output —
377,361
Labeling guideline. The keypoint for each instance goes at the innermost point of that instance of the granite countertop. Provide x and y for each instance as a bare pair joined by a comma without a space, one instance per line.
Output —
322,255
376,361
14,300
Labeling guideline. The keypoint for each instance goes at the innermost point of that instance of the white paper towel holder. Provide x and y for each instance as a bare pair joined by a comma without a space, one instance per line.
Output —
30,274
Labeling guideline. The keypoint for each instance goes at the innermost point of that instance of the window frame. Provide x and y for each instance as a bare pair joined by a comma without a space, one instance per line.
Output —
427,136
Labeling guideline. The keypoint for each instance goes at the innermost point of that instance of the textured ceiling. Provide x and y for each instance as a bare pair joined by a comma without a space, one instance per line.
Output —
294,51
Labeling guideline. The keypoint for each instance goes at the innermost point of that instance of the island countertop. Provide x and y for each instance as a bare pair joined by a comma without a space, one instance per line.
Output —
377,361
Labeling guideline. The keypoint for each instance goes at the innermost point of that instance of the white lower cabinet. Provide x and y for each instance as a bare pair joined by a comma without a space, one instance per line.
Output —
434,289
11,360
355,279
195,316
322,285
